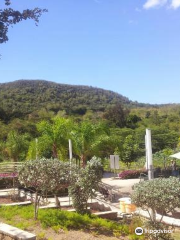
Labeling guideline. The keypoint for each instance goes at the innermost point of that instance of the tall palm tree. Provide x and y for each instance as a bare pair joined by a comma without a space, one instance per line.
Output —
55,135
86,138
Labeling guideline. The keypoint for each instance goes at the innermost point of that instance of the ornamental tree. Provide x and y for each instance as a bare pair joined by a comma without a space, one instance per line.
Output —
85,183
10,17
158,195
44,175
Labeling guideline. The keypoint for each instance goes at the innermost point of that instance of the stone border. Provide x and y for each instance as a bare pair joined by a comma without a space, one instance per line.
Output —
167,220
15,233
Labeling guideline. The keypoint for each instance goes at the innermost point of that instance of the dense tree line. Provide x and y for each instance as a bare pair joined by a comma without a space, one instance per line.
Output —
19,98
108,124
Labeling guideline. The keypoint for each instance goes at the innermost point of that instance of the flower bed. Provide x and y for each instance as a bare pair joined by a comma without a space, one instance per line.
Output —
131,174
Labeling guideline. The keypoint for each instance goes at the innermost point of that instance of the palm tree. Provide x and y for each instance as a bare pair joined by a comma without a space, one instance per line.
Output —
54,135
86,137
16,145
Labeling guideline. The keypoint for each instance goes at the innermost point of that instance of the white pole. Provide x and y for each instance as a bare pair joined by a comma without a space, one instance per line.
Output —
70,151
70,159
146,164
150,163
149,154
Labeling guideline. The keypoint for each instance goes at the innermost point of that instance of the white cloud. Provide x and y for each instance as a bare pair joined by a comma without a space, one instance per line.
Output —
175,4
155,3
159,3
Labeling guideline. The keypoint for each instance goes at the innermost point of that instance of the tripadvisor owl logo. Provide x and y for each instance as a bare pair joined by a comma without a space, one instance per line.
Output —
138,231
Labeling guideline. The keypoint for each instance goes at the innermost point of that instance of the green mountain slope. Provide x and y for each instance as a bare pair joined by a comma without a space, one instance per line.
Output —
25,96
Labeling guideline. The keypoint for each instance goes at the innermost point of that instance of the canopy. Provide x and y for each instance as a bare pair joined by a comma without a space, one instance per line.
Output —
176,155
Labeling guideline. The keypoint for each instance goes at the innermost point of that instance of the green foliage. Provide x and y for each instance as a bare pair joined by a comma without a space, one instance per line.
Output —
68,220
17,145
117,115
160,194
23,104
162,234
55,135
57,219
85,183
24,97
10,17
44,175
87,138
129,151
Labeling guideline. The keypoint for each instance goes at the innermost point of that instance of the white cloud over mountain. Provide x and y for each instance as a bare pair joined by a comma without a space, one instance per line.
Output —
159,3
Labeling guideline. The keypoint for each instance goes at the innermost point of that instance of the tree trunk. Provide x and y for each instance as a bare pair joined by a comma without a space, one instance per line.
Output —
54,150
57,202
83,161
36,206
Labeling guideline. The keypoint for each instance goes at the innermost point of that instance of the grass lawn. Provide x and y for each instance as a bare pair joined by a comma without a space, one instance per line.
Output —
55,224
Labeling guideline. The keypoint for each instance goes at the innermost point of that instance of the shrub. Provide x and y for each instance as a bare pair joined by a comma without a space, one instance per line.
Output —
58,219
129,174
160,194
45,175
83,185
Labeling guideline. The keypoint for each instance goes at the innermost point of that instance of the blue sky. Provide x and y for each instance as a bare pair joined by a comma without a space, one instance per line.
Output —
131,47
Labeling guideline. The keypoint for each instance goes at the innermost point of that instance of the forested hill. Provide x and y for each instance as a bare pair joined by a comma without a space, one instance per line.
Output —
26,96
19,98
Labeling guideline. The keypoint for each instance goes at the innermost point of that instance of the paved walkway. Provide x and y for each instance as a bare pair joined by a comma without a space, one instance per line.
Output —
124,185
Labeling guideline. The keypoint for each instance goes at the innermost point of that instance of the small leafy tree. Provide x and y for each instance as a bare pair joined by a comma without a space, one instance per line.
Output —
129,150
158,195
84,183
44,175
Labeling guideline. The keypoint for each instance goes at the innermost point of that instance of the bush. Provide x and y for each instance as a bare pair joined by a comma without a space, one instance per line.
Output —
129,174
8,182
160,194
83,185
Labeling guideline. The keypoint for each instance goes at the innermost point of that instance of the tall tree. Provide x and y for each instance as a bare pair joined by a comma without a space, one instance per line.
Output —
86,138
10,17
17,145
117,115
129,150
54,135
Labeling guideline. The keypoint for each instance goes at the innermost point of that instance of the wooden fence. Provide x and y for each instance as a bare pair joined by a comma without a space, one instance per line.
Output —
9,167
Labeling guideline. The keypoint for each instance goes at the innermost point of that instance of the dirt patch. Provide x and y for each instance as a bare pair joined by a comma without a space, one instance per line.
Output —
71,235
6,200
3,237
